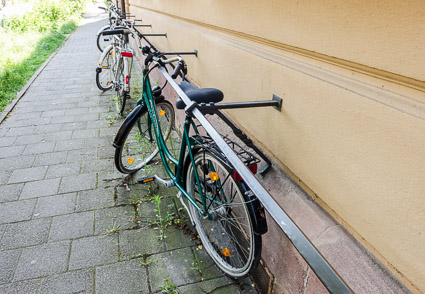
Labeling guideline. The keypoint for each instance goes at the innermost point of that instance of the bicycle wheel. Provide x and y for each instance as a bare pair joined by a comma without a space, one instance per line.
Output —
140,146
104,74
121,94
227,232
103,41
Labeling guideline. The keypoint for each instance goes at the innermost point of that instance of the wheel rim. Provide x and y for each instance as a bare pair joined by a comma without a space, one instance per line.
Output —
105,75
226,232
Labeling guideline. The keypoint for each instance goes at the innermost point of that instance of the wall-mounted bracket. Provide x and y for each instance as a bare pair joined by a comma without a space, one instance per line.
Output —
279,101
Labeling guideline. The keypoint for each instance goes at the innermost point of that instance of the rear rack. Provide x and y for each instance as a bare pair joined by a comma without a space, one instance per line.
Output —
247,157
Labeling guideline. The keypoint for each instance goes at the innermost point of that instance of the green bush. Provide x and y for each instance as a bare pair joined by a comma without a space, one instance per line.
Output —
47,15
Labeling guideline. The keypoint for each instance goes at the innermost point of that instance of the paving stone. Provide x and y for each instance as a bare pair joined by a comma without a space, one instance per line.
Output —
44,260
82,155
28,174
78,125
50,128
78,183
95,199
22,287
51,158
175,238
109,218
71,282
29,139
39,148
8,264
109,179
178,265
140,242
77,111
99,142
63,119
19,131
53,113
69,145
40,188
122,277
72,226
63,170
206,265
16,211
90,133
93,251
24,234
87,117
5,176
11,151
18,162
10,192
58,136
221,285
106,152
7,141
97,165
55,205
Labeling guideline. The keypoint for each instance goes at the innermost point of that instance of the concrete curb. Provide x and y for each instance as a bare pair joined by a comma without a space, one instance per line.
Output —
21,93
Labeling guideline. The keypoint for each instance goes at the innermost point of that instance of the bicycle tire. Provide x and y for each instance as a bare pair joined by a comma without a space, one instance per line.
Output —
138,148
101,42
227,234
104,74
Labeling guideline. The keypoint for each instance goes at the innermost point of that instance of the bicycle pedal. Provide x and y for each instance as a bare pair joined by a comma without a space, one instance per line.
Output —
146,180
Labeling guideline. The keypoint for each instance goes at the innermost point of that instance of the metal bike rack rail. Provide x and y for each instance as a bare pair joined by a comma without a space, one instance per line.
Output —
329,277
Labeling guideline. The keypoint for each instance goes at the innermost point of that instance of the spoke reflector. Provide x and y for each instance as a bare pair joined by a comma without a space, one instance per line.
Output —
226,252
161,112
214,176
130,160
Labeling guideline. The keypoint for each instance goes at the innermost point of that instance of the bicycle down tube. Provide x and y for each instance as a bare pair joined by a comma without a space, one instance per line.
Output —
329,277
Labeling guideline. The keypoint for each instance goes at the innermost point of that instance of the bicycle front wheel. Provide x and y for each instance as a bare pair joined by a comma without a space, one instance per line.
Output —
227,231
103,41
140,146
104,74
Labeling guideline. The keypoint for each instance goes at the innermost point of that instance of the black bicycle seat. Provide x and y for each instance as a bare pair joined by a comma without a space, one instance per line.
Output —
199,95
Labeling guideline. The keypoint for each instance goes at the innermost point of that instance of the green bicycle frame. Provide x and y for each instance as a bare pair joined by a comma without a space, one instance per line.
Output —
186,144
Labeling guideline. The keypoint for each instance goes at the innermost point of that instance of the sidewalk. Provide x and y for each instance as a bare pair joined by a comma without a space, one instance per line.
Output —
67,222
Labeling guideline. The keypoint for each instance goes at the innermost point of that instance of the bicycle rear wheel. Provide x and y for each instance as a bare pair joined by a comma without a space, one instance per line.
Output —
227,231
140,146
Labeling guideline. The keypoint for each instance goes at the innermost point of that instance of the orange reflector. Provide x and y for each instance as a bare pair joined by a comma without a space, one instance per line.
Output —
130,160
126,54
226,252
108,83
148,180
214,176
105,67
161,112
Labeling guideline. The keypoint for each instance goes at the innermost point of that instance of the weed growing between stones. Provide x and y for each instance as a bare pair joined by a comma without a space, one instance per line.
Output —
169,288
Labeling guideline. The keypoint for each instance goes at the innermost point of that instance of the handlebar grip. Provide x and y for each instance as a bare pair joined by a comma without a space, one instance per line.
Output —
113,32
177,70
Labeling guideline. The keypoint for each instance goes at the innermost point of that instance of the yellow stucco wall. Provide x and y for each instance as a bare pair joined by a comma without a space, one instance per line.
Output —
351,75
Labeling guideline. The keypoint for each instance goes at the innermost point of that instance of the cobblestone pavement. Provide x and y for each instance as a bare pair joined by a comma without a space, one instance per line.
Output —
67,223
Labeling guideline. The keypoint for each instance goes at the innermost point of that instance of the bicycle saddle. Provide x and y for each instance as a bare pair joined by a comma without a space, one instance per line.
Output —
199,95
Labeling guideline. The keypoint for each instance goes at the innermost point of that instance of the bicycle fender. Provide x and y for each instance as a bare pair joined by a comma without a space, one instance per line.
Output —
129,120
257,212
105,51
102,29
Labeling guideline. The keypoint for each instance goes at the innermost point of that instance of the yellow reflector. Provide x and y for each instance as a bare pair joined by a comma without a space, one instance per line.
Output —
161,112
130,160
108,83
112,52
105,67
214,176
226,252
